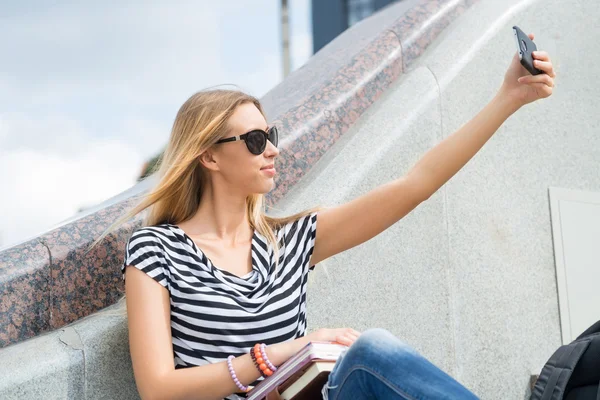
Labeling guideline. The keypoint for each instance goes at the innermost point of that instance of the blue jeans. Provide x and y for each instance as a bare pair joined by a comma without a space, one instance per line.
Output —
379,366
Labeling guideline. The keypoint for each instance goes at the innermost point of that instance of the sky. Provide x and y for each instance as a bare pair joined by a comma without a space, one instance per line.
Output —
89,91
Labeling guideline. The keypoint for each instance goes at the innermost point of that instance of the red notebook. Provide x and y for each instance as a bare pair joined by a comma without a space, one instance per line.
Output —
296,365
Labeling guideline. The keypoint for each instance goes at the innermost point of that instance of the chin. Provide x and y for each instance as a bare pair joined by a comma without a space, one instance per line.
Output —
266,188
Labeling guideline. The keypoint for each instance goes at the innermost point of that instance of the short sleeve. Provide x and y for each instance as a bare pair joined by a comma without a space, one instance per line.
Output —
145,252
300,237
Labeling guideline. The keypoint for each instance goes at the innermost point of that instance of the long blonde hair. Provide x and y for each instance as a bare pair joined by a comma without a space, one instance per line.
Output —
200,123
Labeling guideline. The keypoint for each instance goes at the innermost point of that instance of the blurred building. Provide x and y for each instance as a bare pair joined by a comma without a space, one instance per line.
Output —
332,17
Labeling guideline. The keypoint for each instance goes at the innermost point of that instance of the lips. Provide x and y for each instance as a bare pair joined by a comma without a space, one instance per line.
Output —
269,170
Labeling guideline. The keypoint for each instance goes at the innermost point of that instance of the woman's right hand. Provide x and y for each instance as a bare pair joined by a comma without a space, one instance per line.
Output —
281,352
345,336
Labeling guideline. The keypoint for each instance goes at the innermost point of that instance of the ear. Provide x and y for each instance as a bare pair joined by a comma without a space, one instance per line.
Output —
208,160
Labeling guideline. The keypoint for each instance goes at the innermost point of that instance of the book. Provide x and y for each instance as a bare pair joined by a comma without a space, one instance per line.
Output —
309,384
312,352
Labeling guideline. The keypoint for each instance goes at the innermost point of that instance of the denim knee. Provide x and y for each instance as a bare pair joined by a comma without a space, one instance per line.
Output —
382,340
379,344
376,351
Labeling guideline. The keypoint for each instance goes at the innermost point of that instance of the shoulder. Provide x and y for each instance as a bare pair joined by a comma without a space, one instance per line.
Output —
302,229
154,232
146,250
157,241
301,224
150,236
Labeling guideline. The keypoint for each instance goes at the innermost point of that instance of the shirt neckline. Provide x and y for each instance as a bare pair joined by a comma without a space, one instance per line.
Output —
212,266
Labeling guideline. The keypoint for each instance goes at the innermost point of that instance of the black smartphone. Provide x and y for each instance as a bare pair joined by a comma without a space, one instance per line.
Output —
525,47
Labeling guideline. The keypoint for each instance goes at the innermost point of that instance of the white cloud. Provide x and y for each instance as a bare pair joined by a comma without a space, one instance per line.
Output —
147,137
54,134
143,53
40,189
52,167
130,52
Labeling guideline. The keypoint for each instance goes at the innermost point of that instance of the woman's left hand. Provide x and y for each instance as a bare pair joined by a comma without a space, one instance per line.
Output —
522,87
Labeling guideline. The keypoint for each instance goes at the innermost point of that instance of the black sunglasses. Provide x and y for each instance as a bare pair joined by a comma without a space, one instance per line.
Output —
256,140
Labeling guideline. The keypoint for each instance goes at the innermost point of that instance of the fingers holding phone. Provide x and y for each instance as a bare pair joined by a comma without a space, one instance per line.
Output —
531,74
525,48
542,62
536,62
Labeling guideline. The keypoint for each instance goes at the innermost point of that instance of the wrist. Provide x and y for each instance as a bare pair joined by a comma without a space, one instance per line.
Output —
508,101
281,352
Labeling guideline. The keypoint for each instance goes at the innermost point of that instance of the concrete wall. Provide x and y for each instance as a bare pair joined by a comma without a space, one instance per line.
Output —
468,278
86,360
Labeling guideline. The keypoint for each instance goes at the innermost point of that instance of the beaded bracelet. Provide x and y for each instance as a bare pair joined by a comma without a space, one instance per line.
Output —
253,356
263,351
234,376
259,361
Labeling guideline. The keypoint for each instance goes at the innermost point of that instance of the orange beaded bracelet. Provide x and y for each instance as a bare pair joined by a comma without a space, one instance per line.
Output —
259,361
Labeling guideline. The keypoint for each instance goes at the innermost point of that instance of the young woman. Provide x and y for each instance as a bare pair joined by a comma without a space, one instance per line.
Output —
216,289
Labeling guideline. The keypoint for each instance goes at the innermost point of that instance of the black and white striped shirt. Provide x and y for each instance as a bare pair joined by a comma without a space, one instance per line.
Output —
215,313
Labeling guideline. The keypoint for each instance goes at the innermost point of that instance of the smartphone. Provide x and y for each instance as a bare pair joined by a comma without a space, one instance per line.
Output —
525,47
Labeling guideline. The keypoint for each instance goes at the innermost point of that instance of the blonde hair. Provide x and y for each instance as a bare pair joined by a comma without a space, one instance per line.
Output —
200,123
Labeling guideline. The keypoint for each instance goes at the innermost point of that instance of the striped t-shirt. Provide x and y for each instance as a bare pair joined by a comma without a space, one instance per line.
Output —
215,313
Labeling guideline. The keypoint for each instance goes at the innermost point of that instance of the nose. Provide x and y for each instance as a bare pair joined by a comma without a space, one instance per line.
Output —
271,150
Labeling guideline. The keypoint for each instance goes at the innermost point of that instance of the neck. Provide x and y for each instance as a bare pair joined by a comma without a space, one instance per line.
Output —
225,219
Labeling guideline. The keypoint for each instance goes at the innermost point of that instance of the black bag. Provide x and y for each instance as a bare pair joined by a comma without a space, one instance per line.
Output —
573,371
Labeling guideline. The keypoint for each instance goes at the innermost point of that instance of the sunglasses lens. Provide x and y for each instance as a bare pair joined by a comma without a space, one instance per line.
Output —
256,142
274,136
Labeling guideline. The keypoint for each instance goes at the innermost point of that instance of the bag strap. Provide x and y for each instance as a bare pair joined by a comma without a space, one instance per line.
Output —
598,395
591,330
555,375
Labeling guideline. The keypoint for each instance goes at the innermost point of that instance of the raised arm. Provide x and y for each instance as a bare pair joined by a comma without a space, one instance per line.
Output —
348,225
